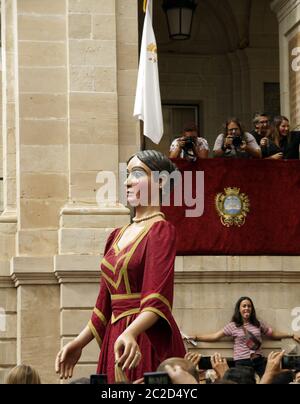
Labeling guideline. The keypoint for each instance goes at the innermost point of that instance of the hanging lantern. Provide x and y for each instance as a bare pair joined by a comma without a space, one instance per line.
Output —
179,15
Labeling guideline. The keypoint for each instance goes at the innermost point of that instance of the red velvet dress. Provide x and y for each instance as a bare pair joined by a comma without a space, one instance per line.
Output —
135,279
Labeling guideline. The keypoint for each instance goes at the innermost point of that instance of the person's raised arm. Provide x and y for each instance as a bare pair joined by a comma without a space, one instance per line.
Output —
251,147
176,148
210,337
201,153
273,367
222,145
253,151
281,335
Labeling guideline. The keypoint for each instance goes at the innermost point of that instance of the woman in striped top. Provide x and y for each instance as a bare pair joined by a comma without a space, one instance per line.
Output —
247,332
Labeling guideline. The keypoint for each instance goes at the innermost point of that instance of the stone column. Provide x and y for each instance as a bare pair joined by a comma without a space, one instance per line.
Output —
64,119
78,276
8,225
37,314
288,14
43,124
8,322
8,217
1,144
98,118
93,117
127,56
40,133
9,103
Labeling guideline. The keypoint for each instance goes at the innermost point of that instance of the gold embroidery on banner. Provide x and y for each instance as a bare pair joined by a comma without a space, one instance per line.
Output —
232,207
100,315
156,311
159,297
95,333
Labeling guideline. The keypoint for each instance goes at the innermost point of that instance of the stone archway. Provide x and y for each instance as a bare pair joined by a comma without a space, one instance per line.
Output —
233,51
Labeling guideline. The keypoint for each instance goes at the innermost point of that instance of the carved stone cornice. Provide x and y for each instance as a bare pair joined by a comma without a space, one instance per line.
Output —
8,216
5,279
284,7
77,268
77,276
6,282
32,271
85,269
94,210
237,277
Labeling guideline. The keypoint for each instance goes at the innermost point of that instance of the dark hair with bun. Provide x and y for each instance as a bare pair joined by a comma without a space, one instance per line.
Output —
157,161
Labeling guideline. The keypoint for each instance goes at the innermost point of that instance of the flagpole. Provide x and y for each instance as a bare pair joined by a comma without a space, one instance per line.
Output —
145,6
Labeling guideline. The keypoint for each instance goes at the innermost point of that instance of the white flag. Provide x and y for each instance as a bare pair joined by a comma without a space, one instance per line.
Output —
147,101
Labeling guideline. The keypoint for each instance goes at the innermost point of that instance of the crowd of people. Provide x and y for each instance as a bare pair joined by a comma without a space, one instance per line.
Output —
268,140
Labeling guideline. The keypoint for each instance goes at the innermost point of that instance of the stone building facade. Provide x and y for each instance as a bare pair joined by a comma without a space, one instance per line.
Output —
69,71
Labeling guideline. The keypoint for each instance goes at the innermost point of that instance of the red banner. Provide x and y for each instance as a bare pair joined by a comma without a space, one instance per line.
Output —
272,225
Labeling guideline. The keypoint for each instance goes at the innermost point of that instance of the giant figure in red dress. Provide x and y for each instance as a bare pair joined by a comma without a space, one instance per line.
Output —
136,279
132,320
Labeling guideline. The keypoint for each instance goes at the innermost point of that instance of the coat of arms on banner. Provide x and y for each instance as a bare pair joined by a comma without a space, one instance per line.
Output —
232,207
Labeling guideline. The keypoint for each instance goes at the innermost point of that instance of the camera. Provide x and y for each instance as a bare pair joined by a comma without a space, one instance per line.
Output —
189,143
98,379
157,378
205,363
237,141
291,362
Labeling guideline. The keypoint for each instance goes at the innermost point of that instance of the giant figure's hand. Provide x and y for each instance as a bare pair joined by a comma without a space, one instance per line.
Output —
66,359
127,352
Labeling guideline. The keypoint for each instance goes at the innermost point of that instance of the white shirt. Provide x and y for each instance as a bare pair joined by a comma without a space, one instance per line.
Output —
201,143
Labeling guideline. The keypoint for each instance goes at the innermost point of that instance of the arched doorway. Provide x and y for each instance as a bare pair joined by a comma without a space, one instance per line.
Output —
229,67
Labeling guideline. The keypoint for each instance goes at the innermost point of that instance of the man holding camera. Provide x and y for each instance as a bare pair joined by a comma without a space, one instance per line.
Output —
234,142
190,146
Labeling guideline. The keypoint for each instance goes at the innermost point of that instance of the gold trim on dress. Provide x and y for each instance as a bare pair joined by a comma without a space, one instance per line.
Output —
156,311
95,333
123,270
124,314
100,315
159,297
115,243
125,296
108,265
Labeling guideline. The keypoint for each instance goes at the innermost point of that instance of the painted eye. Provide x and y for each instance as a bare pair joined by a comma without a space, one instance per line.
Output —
137,174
